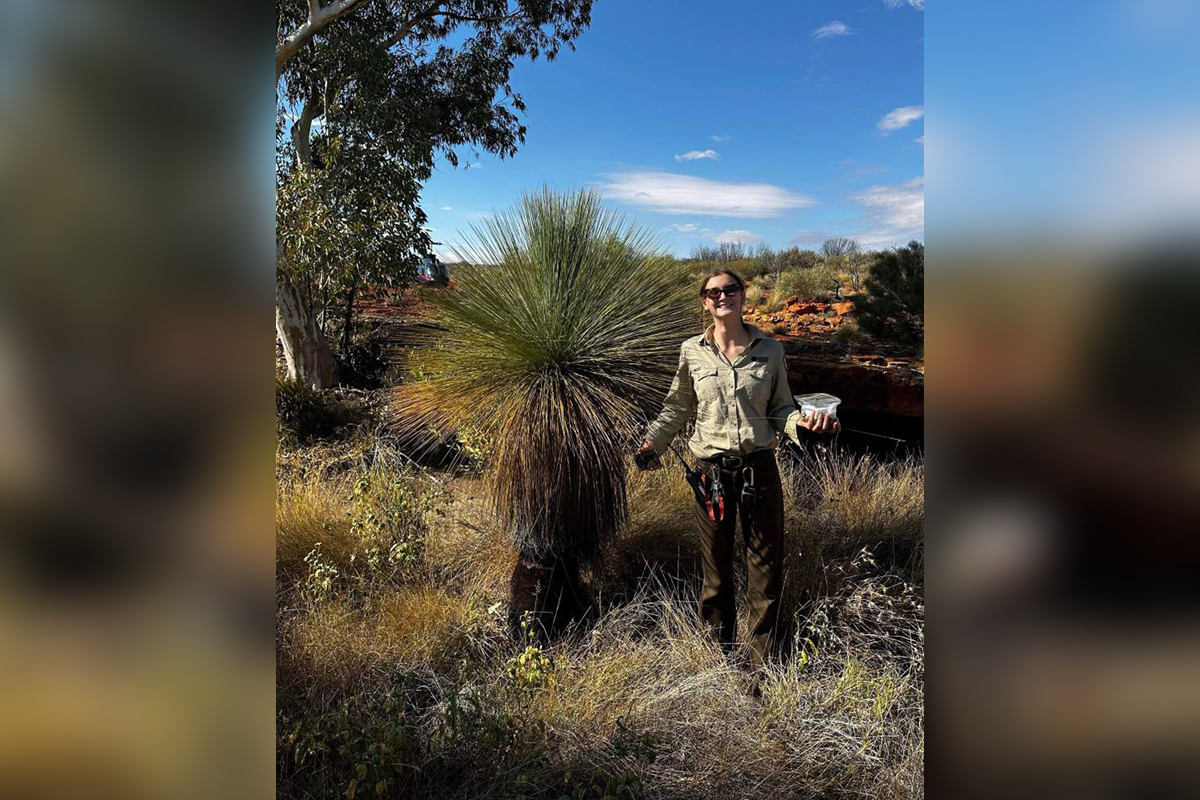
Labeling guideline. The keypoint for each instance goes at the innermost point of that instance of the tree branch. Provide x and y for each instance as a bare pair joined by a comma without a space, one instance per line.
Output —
315,22
435,11
407,28
300,132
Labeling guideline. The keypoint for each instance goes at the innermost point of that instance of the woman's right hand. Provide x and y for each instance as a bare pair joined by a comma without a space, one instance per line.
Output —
649,448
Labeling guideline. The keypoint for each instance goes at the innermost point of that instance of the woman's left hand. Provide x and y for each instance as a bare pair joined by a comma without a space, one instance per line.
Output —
820,422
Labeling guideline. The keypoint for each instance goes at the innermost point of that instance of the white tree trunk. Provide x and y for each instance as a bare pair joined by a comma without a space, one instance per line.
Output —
309,360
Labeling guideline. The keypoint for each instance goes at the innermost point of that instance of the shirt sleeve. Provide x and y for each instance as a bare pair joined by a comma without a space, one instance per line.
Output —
782,409
677,407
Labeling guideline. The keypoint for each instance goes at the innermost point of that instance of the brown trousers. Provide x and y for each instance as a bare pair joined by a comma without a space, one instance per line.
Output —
762,531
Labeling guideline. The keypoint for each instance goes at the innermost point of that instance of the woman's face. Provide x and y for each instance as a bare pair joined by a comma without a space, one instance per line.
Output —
726,306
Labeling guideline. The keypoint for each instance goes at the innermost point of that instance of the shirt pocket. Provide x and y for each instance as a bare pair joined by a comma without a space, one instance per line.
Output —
755,383
707,384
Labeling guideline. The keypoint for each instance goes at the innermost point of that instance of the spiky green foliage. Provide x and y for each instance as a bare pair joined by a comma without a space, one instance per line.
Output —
894,304
561,334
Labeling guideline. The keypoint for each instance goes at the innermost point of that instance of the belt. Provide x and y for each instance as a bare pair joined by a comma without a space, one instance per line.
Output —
729,463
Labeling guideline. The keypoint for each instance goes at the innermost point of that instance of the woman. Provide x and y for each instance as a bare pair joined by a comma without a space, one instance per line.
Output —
734,378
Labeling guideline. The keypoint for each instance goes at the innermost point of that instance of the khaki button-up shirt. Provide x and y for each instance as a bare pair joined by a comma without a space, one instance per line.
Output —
739,407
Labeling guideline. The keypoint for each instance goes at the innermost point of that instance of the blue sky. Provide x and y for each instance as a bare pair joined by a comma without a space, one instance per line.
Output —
1067,120
783,123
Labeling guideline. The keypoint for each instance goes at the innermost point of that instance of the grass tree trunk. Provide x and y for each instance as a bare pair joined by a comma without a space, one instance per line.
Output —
549,588
309,359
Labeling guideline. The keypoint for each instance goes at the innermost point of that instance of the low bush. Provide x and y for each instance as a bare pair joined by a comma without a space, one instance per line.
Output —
817,283
335,536
304,415
893,305
364,363
849,336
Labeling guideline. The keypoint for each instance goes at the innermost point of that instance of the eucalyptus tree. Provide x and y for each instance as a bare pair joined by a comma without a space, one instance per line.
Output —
558,338
369,94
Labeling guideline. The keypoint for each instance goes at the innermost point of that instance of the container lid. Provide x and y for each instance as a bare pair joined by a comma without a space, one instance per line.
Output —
817,399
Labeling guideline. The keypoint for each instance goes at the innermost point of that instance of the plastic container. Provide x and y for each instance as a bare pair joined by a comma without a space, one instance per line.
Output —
810,404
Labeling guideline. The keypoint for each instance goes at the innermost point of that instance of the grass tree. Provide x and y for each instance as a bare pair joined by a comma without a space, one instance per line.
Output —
561,333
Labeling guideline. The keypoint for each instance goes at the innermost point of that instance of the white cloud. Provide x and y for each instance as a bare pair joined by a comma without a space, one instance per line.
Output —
693,155
834,28
447,208
720,137
895,214
919,5
899,118
462,252
920,140
687,227
738,237
668,193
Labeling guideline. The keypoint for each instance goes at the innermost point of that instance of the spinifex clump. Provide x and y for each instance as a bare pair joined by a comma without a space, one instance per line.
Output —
562,330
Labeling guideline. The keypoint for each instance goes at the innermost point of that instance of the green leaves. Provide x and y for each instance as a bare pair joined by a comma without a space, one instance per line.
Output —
377,95
894,305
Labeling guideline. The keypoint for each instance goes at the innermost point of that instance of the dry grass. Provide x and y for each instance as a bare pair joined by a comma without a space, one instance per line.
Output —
852,502
660,537
415,629
754,295
311,511
469,550
641,703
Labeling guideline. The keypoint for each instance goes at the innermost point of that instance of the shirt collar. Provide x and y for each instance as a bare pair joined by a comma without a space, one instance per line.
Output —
707,336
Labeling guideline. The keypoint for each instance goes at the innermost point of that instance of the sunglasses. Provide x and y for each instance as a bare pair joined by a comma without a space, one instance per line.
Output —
715,293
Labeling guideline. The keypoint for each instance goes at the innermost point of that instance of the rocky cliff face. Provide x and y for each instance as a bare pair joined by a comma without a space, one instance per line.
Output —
868,376
885,388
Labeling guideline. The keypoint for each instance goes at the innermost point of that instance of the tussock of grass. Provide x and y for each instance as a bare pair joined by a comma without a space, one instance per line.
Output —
754,295
851,502
416,629
469,550
660,536
309,511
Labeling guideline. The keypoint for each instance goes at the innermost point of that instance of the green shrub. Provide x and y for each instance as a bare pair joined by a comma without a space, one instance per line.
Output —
893,307
363,364
304,415
387,516
849,336
368,746
817,283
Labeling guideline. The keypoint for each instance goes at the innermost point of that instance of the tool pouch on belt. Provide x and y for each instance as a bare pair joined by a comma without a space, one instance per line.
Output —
748,499
695,479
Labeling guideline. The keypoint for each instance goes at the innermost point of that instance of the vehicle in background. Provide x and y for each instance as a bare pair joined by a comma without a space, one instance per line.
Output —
432,272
